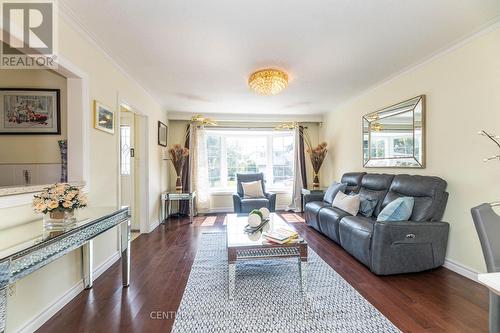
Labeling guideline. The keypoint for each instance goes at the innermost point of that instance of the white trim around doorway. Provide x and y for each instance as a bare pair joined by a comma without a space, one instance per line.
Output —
142,172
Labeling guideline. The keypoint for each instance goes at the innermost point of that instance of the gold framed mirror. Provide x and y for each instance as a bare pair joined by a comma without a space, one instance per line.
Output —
394,137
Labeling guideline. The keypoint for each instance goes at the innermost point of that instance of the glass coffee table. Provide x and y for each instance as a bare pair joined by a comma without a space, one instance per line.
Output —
244,246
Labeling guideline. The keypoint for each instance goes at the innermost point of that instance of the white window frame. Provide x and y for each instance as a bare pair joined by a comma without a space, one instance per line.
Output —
270,134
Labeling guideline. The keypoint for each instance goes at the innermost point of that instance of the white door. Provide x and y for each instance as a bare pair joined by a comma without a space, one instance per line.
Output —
127,165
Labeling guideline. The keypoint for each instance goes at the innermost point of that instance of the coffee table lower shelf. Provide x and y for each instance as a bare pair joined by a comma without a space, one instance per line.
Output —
235,254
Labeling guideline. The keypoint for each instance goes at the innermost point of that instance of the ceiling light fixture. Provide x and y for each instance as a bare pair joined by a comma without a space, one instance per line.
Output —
268,81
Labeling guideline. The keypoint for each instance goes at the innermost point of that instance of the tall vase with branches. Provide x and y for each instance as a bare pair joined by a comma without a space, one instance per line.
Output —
316,154
178,156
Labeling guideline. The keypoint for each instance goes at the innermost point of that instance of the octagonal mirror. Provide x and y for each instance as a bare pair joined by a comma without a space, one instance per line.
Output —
394,137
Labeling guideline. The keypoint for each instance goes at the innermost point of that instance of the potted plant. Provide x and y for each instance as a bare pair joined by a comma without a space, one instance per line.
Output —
59,202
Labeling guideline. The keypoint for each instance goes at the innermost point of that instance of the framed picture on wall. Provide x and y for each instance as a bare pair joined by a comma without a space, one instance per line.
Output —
30,111
104,118
162,134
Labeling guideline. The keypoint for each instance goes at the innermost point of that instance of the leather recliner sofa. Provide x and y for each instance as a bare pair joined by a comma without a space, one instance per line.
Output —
387,247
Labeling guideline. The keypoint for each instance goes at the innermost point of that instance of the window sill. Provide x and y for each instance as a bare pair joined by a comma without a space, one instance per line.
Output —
223,192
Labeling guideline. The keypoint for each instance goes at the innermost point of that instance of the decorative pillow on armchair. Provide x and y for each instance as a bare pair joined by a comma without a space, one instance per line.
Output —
332,191
252,190
398,210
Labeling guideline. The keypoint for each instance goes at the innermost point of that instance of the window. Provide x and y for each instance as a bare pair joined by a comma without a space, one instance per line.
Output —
392,145
237,151
125,150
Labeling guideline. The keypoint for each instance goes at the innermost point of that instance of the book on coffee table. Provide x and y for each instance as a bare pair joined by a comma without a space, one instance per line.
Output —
280,235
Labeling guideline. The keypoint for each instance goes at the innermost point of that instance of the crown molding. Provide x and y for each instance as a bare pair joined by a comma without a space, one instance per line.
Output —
69,16
489,26
256,118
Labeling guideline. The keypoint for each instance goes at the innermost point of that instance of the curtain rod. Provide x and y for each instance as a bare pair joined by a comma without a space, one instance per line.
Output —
256,128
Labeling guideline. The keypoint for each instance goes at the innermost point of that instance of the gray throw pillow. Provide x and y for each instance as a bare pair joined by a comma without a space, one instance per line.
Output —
332,191
367,206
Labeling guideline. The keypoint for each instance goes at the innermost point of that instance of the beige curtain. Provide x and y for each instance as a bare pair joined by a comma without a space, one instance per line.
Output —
199,167
296,204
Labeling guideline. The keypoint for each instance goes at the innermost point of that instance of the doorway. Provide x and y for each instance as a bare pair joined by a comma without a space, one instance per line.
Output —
129,180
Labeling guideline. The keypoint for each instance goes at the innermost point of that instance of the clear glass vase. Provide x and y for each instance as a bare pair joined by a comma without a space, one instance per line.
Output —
58,219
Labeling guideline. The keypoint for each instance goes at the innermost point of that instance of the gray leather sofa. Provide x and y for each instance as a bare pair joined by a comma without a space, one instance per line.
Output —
244,205
387,247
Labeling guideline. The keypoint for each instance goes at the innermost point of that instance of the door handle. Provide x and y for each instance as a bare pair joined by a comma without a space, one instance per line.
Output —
132,152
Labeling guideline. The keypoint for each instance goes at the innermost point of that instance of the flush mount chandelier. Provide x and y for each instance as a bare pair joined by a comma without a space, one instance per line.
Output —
268,81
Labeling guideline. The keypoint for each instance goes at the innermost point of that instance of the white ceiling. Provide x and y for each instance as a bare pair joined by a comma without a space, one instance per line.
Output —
196,55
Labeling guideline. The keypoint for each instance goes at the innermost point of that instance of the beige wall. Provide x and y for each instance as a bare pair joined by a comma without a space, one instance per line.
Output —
33,148
224,201
106,82
463,96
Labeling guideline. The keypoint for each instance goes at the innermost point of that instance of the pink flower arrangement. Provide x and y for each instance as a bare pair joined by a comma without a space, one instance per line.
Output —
59,197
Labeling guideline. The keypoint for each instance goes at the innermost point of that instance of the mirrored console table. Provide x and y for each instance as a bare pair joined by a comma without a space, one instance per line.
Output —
166,199
28,247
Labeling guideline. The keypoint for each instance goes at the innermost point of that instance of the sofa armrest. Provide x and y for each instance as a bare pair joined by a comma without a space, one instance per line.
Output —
272,201
236,203
404,247
313,196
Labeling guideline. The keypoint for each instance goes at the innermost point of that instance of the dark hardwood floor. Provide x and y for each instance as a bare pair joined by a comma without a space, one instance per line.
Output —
435,301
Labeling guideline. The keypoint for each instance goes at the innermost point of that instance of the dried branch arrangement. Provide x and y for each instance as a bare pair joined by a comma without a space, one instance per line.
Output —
496,140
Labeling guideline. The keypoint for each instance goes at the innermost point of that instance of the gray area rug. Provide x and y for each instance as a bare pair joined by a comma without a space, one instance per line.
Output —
268,297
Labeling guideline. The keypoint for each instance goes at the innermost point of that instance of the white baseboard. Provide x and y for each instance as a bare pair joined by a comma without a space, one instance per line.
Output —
40,319
217,210
106,264
463,270
153,226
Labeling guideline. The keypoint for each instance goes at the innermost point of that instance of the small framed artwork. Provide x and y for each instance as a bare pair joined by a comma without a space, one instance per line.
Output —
30,111
104,118
162,134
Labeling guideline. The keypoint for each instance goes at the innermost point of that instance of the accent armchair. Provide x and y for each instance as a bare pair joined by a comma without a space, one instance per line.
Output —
487,224
246,205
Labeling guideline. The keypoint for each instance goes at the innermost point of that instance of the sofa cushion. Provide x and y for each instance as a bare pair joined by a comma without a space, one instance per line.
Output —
332,191
348,203
247,205
355,237
312,210
428,192
367,206
353,181
374,187
329,219
398,210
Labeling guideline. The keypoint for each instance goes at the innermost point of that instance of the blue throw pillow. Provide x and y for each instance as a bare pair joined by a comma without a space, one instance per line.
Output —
367,206
332,191
398,210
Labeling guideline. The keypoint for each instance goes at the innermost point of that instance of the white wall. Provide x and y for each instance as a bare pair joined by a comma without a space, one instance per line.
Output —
107,84
463,96
223,202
